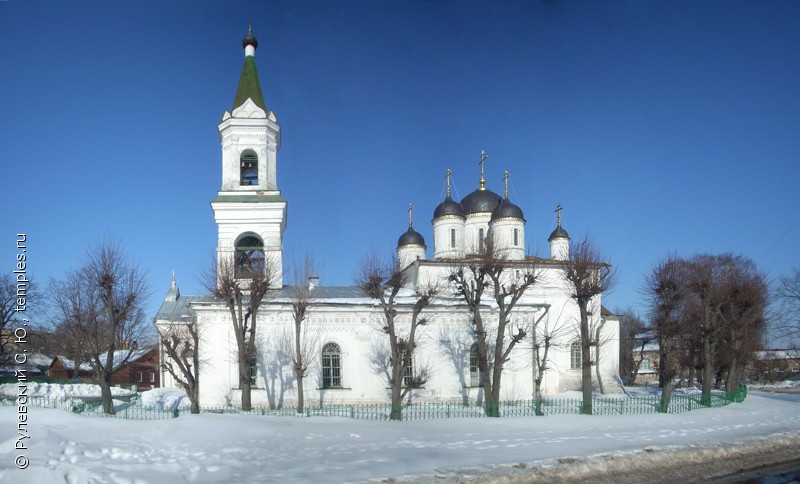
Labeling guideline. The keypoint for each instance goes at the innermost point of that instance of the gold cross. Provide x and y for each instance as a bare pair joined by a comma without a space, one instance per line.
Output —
483,163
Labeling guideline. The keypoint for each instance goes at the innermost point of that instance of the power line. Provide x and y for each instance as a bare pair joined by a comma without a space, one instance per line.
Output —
779,239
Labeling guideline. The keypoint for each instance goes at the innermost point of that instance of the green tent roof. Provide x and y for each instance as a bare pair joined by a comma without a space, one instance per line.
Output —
249,86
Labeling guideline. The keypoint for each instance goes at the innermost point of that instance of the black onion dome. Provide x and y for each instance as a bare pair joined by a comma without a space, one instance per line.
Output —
448,207
411,237
559,233
506,209
250,39
480,201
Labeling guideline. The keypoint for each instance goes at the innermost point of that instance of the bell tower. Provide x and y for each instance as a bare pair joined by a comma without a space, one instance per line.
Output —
249,210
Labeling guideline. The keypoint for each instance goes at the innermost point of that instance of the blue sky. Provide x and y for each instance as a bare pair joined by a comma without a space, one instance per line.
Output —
659,126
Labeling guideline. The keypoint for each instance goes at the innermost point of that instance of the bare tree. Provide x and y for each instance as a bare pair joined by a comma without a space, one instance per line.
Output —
241,289
600,339
545,336
631,344
706,279
640,345
14,290
383,281
306,339
103,305
788,295
743,317
665,292
122,291
588,277
180,342
489,273
75,308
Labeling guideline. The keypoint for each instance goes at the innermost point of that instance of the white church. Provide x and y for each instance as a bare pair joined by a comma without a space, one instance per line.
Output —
350,350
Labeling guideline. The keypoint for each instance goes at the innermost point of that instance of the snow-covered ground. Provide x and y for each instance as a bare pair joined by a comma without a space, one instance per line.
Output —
65,447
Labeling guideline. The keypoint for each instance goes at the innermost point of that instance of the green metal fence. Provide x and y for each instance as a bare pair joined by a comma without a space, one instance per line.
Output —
624,405
94,407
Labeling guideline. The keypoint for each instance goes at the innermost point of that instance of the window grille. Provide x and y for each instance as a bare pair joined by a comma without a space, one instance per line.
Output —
475,373
331,366
575,356
253,372
249,257
408,371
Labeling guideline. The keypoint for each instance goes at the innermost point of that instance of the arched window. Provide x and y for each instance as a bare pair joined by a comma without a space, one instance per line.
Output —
248,166
331,366
253,370
408,371
475,373
575,356
249,256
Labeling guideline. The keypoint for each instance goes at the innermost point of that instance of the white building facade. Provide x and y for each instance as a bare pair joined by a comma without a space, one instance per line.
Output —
350,350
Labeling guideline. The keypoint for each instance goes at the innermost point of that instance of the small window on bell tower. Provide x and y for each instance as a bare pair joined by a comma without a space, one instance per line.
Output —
248,164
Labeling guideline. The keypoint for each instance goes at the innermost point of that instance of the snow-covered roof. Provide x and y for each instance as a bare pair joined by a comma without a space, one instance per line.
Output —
779,354
119,356
70,365
181,308
117,360
647,334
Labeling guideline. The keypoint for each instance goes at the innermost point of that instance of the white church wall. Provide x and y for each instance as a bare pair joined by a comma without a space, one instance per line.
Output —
444,350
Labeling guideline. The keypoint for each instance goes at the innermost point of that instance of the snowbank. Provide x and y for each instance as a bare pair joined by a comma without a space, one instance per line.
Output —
58,390
165,399
786,384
